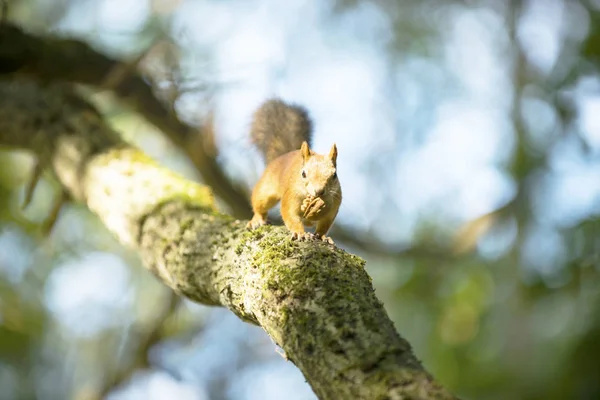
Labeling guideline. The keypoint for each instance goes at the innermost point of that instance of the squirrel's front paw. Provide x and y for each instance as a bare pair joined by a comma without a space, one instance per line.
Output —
302,236
256,222
325,239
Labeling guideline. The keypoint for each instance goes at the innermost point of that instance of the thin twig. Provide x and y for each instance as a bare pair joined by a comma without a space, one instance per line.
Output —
36,174
57,205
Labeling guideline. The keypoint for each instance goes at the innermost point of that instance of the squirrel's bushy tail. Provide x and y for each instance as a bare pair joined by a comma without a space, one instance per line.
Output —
278,128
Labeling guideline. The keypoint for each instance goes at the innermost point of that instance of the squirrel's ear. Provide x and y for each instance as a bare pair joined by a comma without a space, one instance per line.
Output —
305,151
333,154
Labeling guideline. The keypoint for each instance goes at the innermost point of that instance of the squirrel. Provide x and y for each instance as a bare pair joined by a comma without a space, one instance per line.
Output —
305,182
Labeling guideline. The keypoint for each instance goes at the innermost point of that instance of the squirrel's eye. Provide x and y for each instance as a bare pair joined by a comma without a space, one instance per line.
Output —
335,175
304,174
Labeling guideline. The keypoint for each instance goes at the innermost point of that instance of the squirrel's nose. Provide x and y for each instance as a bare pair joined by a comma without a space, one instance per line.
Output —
319,192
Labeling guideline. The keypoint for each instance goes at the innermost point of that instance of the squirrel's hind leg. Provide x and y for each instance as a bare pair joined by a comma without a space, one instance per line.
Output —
323,227
261,204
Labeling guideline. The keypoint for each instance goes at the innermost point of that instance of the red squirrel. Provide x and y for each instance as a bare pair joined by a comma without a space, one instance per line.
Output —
305,182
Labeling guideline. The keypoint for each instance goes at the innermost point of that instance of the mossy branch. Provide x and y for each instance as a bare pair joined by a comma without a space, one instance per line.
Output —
54,59
315,301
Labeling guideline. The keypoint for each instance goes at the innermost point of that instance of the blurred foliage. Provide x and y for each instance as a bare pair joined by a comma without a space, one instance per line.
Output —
499,304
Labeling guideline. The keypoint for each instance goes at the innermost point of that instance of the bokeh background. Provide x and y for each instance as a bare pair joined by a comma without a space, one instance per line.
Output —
469,142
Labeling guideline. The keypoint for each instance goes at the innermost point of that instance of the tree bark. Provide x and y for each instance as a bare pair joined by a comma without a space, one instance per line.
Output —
54,59
314,300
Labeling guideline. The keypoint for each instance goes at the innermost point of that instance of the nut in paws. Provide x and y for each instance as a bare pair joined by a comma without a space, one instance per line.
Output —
312,207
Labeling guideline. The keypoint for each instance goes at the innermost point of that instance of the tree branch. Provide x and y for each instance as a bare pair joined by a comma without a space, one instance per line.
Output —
315,301
56,59
67,60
